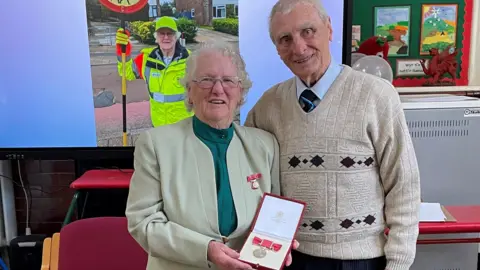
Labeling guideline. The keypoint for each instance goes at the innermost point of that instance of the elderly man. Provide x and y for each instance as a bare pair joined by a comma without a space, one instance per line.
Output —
161,68
345,149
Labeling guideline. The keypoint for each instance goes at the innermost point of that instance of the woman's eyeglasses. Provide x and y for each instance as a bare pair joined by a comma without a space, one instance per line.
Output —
208,82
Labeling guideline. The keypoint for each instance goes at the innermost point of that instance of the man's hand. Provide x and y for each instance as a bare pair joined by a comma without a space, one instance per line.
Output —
289,257
224,257
122,37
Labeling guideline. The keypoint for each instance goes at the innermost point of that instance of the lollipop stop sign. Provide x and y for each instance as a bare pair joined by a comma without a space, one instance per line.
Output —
124,6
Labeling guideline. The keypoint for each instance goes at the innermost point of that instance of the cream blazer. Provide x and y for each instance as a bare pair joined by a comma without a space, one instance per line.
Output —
172,202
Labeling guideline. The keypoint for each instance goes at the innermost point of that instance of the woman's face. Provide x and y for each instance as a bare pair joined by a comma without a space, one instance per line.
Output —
166,38
215,91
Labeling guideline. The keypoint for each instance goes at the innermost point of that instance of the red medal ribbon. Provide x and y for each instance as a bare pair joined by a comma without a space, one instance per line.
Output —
257,241
254,177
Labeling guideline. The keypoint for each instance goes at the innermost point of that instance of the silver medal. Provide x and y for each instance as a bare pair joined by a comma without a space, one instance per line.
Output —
259,253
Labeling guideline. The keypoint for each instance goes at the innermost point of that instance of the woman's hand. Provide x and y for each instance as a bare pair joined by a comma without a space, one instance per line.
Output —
224,257
289,257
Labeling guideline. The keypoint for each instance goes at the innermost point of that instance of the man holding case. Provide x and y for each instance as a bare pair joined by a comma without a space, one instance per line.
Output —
345,149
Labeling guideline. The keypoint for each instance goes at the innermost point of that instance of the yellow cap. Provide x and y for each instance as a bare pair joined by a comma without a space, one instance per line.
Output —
166,22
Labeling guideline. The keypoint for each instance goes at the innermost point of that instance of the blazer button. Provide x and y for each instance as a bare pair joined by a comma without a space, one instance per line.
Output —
224,240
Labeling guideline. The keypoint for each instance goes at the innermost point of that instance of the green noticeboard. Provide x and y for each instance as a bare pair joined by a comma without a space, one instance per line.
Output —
412,27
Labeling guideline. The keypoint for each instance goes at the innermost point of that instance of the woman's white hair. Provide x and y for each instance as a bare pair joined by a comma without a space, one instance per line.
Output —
226,50
286,6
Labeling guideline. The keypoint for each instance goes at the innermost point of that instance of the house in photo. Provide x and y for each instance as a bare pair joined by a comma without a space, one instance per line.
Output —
203,11
225,8
197,10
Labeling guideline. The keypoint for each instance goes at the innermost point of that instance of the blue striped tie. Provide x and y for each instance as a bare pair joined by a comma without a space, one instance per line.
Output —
308,100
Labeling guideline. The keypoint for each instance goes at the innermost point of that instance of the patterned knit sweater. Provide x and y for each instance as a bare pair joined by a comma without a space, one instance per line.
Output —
352,161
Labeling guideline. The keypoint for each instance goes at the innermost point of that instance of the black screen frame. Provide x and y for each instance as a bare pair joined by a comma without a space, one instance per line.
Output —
347,32
126,152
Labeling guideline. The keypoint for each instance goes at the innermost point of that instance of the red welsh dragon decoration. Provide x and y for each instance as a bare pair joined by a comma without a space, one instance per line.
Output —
442,63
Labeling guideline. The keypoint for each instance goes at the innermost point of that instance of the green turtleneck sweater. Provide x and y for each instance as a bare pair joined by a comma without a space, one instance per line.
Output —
218,140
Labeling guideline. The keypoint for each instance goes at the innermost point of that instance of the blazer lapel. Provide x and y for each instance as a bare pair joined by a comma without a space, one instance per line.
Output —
206,179
236,171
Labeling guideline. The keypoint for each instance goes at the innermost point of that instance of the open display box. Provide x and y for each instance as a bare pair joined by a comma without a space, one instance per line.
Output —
272,233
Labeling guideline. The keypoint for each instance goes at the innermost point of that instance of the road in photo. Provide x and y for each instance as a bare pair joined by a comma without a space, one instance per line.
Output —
197,27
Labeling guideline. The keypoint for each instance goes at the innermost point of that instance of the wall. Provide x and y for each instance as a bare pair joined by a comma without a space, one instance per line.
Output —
474,69
49,184
364,15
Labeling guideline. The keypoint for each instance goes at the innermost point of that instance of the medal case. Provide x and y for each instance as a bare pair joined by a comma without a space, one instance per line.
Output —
272,232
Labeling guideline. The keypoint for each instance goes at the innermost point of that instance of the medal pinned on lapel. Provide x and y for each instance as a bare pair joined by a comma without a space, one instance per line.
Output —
253,180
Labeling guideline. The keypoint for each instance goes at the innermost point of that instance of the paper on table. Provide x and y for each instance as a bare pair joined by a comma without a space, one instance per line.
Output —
278,217
431,212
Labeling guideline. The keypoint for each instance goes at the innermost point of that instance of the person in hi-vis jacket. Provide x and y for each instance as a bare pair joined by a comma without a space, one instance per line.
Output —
161,68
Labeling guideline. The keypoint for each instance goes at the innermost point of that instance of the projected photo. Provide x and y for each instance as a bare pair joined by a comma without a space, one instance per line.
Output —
71,93
157,100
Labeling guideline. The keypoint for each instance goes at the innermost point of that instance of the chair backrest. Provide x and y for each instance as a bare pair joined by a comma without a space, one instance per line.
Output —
100,243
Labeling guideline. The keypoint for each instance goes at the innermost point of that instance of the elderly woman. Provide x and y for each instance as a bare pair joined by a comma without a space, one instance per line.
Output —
160,67
190,205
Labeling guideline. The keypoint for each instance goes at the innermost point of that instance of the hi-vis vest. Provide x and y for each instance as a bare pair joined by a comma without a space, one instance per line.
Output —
167,95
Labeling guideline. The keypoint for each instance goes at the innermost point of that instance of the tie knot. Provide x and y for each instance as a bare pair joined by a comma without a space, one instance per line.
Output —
309,94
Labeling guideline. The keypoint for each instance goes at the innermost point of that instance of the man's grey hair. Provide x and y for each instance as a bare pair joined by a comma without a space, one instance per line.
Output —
226,50
286,6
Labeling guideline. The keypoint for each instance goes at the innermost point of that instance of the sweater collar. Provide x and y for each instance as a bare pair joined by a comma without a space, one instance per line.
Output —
211,134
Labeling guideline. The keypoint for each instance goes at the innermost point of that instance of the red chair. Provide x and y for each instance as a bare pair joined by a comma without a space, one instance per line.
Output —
97,179
102,243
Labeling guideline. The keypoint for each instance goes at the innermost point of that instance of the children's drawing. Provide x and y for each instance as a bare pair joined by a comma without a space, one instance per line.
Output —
393,23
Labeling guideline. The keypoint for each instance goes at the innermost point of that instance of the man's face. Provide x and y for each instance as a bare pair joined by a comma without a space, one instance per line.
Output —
166,38
302,39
